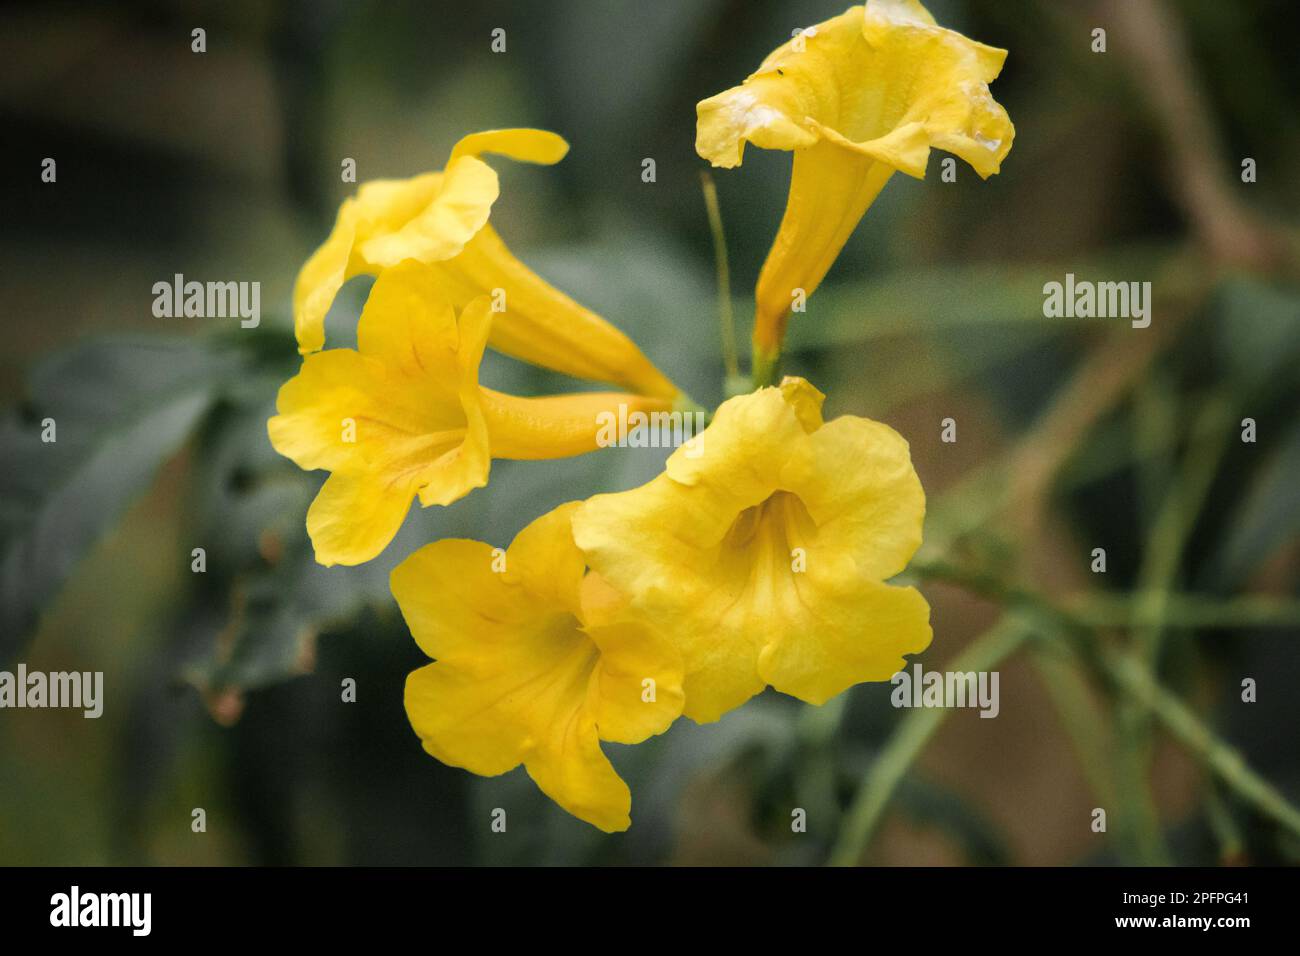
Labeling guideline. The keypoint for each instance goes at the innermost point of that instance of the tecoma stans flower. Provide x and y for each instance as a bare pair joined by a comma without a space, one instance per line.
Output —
764,557
535,664
404,416
855,98
441,219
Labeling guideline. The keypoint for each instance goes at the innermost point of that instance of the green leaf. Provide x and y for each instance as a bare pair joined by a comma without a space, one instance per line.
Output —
943,299
118,409
1266,517
1258,332
273,623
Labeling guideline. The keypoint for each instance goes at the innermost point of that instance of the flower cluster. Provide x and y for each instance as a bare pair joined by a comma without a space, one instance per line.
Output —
758,558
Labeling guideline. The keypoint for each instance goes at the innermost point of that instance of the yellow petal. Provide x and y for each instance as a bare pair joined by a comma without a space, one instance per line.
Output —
797,81
573,772
439,589
380,206
441,228
544,561
406,412
446,708
558,426
316,405
441,218
354,517
856,631
399,418
522,145
857,97
321,278
422,424
636,691
831,189
511,683
762,557
432,359
871,503
539,324
386,205
664,544
805,400
744,438
409,326
883,81
465,466
661,546
519,679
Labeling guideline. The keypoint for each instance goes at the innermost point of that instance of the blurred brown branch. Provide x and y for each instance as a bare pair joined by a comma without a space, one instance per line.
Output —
1152,40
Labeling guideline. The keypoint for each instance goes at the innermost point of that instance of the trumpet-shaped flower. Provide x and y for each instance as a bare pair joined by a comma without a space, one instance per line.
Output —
441,219
764,557
535,664
856,98
404,416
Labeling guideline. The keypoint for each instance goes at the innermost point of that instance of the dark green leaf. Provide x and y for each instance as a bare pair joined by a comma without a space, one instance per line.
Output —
118,408
1266,517
938,300
1258,331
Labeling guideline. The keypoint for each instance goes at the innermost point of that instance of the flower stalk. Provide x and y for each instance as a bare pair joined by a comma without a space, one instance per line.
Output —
733,384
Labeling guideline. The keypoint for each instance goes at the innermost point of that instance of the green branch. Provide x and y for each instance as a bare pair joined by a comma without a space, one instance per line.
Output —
726,315
1125,675
914,732
1222,759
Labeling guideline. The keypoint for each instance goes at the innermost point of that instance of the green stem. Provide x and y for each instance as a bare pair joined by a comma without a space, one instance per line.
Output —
1062,674
1223,760
726,315
1191,611
1130,677
766,368
1160,566
1140,839
1174,523
1219,815
913,733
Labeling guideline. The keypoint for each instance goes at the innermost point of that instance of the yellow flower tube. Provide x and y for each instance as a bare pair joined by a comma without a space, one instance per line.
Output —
441,219
535,665
856,98
404,416
763,552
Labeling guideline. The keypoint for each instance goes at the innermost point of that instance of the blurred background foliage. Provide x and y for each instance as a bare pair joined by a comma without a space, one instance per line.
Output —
1119,690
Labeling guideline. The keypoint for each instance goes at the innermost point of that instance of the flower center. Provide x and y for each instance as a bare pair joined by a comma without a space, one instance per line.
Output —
765,545
777,521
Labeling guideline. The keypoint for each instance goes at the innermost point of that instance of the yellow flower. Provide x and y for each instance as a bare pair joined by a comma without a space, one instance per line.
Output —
441,219
856,98
763,555
536,664
404,416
